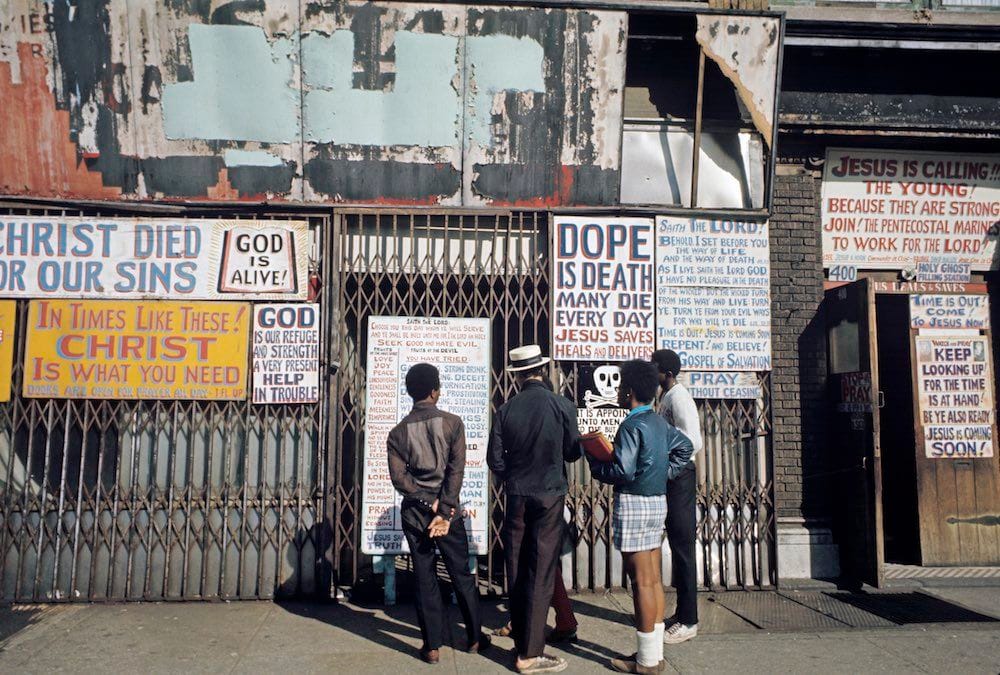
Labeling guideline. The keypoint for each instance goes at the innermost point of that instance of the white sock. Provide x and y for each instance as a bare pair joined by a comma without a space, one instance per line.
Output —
646,655
658,629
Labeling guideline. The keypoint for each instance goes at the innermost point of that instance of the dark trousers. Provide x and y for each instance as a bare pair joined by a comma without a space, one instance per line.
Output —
533,536
454,548
681,524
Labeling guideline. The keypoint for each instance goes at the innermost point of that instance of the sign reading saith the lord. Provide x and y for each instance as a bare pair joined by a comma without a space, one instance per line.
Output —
184,259
893,210
136,350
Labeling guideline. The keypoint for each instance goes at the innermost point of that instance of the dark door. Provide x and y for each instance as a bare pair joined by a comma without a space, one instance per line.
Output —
854,395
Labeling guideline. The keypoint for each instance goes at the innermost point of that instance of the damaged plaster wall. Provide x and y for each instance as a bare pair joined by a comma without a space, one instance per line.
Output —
319,101
746,50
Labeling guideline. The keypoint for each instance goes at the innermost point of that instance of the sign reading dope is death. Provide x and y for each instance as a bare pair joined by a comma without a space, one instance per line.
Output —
603,291
286,353
136,350
890,210
713,299
186,259
460,349
955,388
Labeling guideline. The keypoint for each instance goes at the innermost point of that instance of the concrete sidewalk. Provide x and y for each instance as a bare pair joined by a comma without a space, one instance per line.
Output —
934,630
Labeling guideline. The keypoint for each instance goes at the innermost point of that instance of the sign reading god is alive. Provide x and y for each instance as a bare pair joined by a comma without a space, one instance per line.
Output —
136,350
286,353
460,349
184,259
602,306
884,209
955,388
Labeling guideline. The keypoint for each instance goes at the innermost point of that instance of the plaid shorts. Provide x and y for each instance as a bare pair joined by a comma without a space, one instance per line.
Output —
637,522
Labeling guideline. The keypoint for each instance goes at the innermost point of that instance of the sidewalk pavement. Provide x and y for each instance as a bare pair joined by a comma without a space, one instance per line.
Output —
922,630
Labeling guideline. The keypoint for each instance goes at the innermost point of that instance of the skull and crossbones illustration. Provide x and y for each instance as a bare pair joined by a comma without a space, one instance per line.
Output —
606,379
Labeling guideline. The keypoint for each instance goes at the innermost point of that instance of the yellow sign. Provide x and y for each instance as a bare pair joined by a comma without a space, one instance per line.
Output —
8,315
137,350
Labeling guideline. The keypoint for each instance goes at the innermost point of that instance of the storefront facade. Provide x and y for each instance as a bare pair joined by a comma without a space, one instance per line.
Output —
505,171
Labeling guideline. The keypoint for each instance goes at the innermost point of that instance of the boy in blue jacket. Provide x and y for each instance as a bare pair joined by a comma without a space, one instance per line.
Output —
648,452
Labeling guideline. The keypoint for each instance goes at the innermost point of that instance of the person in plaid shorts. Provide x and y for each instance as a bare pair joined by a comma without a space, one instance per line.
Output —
648,451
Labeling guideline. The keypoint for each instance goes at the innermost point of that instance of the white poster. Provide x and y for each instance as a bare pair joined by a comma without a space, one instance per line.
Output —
713,297
602,308
950,311
286,353
884,209
153,258
601,411
955,394
721,385
460,349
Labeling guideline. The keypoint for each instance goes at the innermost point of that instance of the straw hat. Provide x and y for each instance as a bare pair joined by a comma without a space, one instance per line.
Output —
526,358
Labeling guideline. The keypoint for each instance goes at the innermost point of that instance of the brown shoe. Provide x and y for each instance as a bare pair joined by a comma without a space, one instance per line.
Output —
631,665
480,646
431,656
503,632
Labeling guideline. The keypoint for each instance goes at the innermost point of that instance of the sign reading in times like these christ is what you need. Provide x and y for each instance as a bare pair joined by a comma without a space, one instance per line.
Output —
460,349
182,259
137,349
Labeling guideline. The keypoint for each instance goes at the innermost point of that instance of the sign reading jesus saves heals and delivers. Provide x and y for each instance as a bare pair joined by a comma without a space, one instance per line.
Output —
137,350
182,259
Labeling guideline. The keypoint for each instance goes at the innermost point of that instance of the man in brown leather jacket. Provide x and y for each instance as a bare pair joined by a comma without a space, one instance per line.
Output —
427,463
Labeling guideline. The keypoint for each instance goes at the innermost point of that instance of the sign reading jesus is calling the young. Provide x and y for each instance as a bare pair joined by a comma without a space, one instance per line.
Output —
286,353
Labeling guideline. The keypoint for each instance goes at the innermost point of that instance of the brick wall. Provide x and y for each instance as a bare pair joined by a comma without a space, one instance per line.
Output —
799,347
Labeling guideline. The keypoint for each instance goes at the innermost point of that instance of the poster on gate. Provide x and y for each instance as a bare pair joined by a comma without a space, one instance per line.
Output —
969,312
602,307
136,350
147,258
286,353
8,315
887,209
713,293
460,349
955,396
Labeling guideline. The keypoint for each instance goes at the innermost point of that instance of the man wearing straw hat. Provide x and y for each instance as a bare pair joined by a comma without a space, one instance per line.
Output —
533,434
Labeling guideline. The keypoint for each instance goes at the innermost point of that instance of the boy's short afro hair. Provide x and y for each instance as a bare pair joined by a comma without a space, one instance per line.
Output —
421,380
640,378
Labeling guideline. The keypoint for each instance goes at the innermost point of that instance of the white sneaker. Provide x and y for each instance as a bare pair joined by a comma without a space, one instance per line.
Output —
678,633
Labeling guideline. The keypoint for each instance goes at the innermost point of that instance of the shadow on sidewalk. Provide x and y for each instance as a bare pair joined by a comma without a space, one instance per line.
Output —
365,622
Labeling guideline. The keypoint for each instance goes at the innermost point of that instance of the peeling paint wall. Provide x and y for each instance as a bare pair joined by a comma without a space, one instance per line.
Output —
316,101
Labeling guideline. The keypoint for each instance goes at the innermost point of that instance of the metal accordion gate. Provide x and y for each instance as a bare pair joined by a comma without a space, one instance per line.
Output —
495,265
106,500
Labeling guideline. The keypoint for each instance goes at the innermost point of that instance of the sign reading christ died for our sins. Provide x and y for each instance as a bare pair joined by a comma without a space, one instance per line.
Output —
460,349
136,350
955,395
181,259
603,288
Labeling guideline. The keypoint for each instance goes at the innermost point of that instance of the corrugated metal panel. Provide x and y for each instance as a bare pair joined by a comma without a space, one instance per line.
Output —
396,103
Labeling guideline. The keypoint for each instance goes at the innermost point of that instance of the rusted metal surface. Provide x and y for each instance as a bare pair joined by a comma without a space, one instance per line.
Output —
383,103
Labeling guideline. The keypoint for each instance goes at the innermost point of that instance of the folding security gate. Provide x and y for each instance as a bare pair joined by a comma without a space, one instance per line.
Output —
108,500
128,500
495,265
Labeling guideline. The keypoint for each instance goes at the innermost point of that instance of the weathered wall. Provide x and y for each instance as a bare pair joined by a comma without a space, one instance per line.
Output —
318,101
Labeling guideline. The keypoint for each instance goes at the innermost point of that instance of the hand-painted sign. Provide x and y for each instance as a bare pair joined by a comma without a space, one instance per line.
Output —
8,317
136,350
600,411
460,348
603,288
884,209
942,272
183,259
855,392
713,301
955,394
950,311
286,353
721,385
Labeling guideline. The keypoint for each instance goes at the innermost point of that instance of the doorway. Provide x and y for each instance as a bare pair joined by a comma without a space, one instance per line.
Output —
900,513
